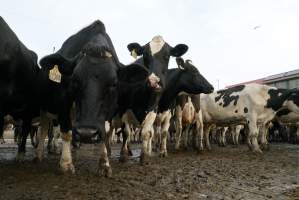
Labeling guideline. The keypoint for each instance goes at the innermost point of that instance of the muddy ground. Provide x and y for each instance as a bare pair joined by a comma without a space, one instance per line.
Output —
223,173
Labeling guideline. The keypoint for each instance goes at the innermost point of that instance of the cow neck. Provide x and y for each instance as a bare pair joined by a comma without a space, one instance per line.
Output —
171,91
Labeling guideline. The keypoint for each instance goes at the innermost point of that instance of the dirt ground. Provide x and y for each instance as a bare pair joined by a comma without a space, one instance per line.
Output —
223,173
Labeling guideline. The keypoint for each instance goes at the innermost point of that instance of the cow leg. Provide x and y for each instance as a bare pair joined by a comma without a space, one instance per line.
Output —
109,139
179,127
50,138
124,153
237,136
223,136
207,136
264,142
45,124
233,134
66,163
297,133
185,134
104,165
164,130
253,134
158,132
147,127
22,145
150,139
1,130
33,134
56,136
199,131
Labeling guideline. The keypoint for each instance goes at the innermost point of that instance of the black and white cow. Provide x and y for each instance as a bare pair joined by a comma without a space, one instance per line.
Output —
18,74
251,105
143,100
91,76
284,127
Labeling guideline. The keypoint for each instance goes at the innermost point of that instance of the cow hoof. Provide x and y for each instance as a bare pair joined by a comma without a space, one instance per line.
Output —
124,156
2,141
67,167
105,171
108,152
200,150
20,157
163,154
144,159
130,152
37,160
265,147
257,151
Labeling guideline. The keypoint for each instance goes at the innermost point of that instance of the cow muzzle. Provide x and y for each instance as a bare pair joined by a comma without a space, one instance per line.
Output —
154,82
86,132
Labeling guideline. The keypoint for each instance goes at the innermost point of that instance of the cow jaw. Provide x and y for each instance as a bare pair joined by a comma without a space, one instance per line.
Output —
156,44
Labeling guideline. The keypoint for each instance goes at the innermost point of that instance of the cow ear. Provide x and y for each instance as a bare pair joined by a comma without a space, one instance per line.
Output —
179,50
180,63
135,49
132,73
65,65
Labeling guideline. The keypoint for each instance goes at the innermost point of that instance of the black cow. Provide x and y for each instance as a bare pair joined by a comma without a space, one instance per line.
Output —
185,79
143,99
91,76
18,74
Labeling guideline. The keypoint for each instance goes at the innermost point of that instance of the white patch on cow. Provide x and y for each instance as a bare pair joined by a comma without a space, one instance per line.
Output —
165,121
279,94
153,77
156,44
292,106
66,162
188,112
147,132
107,126
56,133
154,80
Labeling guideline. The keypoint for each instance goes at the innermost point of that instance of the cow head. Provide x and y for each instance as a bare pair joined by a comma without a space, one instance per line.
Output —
95,82
156,55
292,101
191,80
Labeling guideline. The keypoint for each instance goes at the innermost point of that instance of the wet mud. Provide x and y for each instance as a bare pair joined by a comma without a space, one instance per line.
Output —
223,173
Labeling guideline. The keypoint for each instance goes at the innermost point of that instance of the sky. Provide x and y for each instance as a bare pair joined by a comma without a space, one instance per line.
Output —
230,41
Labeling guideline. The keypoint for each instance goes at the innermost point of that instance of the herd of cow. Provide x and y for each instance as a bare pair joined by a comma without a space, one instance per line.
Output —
83,85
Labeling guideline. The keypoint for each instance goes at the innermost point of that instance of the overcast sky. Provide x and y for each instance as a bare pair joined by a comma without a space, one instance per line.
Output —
229,40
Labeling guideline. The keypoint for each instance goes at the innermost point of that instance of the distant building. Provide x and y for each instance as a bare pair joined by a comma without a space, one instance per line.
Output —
287,80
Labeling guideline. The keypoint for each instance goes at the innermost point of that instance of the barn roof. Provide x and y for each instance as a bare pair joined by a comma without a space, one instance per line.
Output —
272,78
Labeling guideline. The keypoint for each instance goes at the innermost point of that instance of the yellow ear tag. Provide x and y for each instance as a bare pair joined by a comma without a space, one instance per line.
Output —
134,54
55,75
